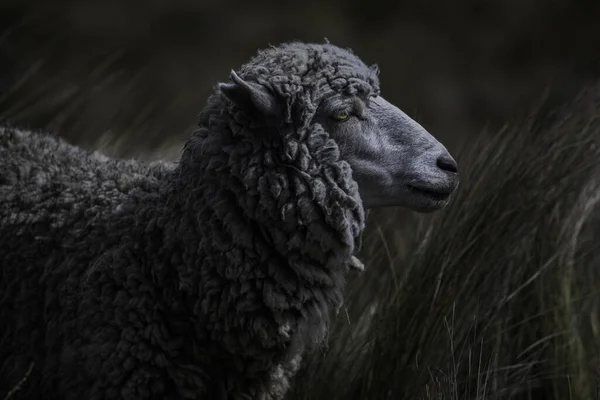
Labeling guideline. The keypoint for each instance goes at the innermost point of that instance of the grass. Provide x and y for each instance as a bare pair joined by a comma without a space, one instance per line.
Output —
497,297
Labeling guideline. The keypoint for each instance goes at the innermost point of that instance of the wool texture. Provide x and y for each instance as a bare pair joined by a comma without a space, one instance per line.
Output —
202,279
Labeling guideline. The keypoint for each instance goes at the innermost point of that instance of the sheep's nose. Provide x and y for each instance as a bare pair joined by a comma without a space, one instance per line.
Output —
447,163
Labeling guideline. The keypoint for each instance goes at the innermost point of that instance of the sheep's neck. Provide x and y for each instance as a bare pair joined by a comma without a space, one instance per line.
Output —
275,241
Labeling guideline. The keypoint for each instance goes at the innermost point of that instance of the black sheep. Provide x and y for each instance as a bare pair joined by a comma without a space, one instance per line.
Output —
208,278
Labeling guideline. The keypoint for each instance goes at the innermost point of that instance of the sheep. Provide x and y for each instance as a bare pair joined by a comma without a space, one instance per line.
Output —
207,278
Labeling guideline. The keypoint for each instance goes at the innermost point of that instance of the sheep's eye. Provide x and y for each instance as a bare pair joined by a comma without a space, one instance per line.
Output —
341,116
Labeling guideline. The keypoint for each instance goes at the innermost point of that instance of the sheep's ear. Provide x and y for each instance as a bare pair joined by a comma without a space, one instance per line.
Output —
249,95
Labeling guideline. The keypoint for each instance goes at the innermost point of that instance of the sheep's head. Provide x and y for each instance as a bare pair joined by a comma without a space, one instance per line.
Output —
309,88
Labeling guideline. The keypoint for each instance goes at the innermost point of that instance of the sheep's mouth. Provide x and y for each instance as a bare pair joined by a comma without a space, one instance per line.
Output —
437,195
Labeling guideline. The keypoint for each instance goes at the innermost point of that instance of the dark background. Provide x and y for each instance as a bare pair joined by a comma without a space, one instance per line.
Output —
503,275
131,75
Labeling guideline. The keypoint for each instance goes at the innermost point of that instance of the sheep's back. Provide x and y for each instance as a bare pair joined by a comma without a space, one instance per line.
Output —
58,207
44,179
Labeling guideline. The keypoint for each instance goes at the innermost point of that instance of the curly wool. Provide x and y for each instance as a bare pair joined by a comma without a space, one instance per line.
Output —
205,279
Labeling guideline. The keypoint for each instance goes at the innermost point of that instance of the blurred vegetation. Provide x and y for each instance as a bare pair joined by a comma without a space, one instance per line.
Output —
496,297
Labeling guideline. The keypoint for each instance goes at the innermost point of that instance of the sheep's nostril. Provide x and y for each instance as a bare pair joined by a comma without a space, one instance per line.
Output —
447,163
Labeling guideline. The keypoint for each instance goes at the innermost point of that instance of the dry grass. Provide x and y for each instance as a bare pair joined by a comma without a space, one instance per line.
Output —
496,297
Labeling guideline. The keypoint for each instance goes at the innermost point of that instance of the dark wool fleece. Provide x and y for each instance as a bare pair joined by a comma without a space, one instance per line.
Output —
205,279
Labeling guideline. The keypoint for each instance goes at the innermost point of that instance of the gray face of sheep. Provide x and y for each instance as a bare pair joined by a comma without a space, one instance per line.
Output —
394,160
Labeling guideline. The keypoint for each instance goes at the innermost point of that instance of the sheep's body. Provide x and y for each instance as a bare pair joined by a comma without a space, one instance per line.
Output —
208,278
78,231
63,211
200,280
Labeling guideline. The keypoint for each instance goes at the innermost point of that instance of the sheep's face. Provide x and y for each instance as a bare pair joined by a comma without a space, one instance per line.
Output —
394,160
